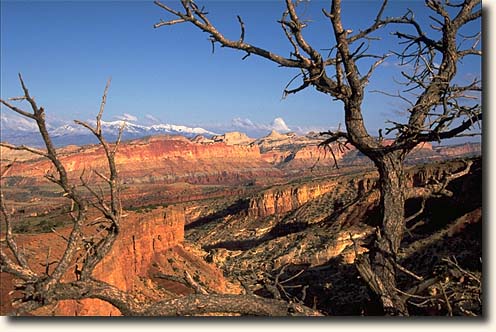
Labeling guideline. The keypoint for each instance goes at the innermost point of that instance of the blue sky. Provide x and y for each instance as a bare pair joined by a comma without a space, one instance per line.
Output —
67,50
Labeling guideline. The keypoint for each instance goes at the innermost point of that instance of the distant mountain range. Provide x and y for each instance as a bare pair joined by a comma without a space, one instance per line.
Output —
113,127
21,131
26,133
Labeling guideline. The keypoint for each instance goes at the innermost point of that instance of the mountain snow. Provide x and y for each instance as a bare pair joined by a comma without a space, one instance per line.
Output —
19,130
113,127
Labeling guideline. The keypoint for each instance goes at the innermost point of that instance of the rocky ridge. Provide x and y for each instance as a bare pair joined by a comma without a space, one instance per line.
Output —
229,158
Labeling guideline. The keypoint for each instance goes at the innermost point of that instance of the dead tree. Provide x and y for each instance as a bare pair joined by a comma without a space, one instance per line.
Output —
41,289
438,107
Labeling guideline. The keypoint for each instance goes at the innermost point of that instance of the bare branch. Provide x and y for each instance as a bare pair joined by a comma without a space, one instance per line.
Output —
18,110
119,137
439,187
242,26
36,111
408,272
21,260
296,27
102,107
196,286
171,22
25,148
418,213
199,19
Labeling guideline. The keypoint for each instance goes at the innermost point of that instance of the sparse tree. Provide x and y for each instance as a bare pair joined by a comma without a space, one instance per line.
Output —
439,106
91,240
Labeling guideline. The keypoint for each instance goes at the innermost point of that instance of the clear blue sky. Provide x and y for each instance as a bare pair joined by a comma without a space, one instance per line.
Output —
67,50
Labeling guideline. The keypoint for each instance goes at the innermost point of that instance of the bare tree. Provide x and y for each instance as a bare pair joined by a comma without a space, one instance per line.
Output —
41,289
438,108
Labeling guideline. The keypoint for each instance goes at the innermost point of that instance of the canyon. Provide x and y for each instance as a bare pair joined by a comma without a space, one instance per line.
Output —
239,215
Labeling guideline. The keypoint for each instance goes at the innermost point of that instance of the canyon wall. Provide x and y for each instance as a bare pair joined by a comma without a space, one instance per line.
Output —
460,150
159,159
142,237
234,159
169,155
283,199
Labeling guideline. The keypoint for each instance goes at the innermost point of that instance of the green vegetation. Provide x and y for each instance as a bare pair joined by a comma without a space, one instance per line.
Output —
41,224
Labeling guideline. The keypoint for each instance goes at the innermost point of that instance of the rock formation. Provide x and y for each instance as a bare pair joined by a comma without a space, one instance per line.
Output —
233,138
311,228
151,247
232,158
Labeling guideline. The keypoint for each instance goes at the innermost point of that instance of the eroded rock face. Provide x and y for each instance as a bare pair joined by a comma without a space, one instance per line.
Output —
141,238
233,138
147,243
283,199
460,150
232,158
160,159
280,201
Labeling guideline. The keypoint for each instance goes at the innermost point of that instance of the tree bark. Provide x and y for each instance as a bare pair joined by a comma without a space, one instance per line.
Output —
379,270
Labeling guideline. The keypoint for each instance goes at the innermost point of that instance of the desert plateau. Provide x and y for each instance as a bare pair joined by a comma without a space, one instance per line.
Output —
271,216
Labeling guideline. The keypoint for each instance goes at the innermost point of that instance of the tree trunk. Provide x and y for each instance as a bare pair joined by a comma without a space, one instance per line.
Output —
379,270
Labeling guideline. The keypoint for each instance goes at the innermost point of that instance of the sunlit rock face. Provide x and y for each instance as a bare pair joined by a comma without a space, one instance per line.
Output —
149,244
143,237
233,138
231,158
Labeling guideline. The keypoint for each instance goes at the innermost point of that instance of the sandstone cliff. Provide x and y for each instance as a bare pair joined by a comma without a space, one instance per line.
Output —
282,199
162,158
460,150
232,158
150,247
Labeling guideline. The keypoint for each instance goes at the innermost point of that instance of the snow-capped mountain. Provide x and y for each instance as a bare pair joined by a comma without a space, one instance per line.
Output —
20,131
113,127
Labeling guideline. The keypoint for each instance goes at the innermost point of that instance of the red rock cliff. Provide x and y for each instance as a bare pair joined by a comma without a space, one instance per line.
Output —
159,158
284,199
142,237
